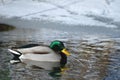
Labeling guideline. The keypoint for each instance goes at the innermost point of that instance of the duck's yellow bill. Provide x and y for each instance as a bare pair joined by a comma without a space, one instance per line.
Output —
66,52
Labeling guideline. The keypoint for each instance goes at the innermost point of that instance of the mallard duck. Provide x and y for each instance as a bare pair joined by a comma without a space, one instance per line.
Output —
32,53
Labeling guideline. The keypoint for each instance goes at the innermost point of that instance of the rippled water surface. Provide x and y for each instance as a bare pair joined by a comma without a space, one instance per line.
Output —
95,51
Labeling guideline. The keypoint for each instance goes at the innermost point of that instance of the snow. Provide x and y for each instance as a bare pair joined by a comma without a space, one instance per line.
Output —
115,11
71,12
22,8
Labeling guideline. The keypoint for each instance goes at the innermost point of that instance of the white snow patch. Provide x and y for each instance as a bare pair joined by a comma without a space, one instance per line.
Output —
68,12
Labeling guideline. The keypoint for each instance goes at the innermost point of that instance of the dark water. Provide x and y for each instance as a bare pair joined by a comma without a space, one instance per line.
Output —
95,50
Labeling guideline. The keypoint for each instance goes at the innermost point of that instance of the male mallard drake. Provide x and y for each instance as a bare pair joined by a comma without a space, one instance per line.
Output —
56,52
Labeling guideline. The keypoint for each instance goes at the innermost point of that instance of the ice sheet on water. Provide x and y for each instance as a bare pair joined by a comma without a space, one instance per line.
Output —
71,12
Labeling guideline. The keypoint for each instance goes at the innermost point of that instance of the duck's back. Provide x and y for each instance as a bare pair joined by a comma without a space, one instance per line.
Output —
35,50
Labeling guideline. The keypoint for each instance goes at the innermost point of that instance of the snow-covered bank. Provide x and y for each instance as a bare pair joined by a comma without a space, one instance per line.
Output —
86,12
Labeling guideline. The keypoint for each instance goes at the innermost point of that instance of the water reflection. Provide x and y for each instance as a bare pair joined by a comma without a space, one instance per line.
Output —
33,71
91,59
53,69
114,66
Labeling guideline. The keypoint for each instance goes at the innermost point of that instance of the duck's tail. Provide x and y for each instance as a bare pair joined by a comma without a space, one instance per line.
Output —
16,55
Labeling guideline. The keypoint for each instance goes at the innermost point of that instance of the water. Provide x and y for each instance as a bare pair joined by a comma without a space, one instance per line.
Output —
95,50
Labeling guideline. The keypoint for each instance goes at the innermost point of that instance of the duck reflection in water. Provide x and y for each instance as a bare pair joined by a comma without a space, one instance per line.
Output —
54,69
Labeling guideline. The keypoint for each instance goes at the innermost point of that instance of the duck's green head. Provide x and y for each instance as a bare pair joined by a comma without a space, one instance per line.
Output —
59,46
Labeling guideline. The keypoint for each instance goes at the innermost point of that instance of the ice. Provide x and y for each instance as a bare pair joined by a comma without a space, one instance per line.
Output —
73,12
